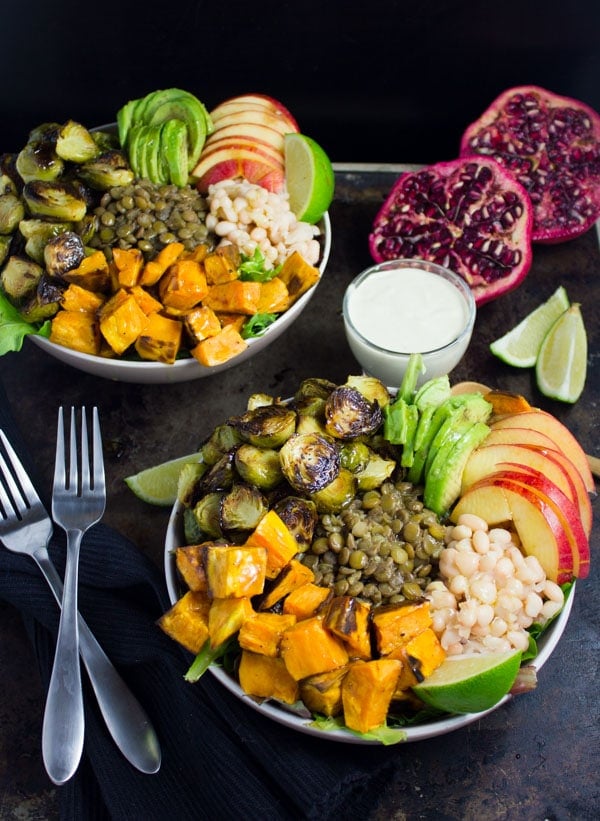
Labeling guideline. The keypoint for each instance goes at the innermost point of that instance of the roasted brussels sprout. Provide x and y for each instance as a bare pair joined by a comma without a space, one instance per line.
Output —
349,414
7,186
207,514
45,302
62,253
301,517
314,387
374,472
188,478
337,494
192,532
39,161
108,170
87,227
267,426
258,466
44,132
309,461
105,140
11,213
258,400
371,388
57,200
242,508
38,232
354,456
75,143
11,179
20,278
219,476
5,242
222,440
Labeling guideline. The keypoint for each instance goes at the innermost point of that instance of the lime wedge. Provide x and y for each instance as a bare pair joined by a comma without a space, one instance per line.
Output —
158,485
470,684
309,177
562,362
521,345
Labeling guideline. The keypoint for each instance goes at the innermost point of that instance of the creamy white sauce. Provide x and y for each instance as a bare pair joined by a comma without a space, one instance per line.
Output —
408,310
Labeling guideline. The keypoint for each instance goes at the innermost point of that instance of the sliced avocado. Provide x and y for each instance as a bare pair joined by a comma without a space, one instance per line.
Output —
408,449
444,479
191,112
414,369
174,150
474,409
433,392
136,148
395,418
125,121
154,163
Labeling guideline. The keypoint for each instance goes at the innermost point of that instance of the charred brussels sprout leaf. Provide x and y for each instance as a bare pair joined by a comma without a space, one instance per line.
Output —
37,233
315,387
337,494
349,414
58,200
242,509
5,243
75,143
39,161
207,515
374,472
45,302
106,171
258,400
258,466
220,476
309,461
11,213
371,388
223,439
63,253
301,517
268,426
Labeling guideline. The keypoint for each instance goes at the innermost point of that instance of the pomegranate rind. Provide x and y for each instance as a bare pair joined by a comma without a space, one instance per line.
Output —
470,215
551,143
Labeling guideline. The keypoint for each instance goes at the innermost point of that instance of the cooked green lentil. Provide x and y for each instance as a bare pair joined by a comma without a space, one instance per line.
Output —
383,548
148,216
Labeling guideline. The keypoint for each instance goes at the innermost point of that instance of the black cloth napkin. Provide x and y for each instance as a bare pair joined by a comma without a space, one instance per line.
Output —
220,758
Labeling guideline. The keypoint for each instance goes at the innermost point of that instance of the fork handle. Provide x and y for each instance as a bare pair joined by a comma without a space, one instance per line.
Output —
124,716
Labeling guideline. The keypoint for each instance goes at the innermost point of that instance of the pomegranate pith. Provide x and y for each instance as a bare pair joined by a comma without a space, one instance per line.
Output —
469,215
552,145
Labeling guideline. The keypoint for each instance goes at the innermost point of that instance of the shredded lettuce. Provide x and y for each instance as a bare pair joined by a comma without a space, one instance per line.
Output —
253,268
257,325
384,734
14,329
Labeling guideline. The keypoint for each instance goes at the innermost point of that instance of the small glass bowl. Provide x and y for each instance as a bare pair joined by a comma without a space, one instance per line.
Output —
400,307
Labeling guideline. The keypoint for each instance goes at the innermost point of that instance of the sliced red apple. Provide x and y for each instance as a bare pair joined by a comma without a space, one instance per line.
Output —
256,116
269,103
540,531
518,436
253,131
561,436
262,150
564,509
228,164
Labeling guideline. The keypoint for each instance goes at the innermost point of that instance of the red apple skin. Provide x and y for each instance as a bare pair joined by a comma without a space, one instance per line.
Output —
518,436
262,150
260,133
487,459
561,436
256,116
228,164
501,502
565,510
270,103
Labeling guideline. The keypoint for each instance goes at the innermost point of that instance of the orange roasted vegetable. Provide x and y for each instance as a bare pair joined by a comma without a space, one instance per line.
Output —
348,618
121,321
323,693
298,276
183,285
160,339
145,300
187,621
306,600
420,657
293,575
236,297
235,572
190,562
200,323
129,263
367,690
395,624
266,677
77,330
155,268
92,273
275,536
263,631
274,297
308,648
226,617
219,348
76,298
222,264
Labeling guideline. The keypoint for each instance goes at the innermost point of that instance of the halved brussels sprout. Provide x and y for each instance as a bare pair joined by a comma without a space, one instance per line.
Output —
75,143
223,439
45,302
219,476
5,242
267,426
38,232
258,466
301,517
337,494
39,161
242,508
258,400
58,200
192,532
314,387
207,513
108,170
349,414
354,456
11,213
20,278
87,228
374,473
63,253
309,461
190,474
371,388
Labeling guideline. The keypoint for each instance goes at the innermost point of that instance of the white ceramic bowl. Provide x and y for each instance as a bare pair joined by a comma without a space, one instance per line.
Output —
405,306
546,645
184,370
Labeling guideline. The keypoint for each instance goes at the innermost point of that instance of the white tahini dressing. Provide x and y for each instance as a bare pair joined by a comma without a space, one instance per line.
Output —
411,311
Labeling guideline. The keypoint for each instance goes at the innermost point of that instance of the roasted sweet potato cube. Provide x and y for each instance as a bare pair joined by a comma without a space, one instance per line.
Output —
77,330
129,263
121,321
263,631
420,657
187,621
236,297
274,296
236,320
395,624
76,298
276,537
222,264
298,275
367,690
219,348
155,268
183,285
266,677
348,618
190,562
145,300
309,648
295,574
235,572
92,273
160,339
198,254
323,693
200,323
305,601
225,618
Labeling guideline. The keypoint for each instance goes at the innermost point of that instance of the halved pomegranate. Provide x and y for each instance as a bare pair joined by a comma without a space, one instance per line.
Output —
552,145
469,215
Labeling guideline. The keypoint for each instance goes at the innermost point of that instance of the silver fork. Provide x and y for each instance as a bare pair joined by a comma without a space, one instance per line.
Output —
26,528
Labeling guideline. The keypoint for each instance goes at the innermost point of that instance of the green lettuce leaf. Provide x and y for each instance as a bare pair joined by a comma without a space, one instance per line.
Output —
14,329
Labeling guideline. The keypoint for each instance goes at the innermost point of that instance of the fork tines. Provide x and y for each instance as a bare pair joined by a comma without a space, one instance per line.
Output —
80,478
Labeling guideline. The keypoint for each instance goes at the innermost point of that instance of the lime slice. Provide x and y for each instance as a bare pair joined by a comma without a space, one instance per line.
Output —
562,362
470,684
158,485
521,345
309,177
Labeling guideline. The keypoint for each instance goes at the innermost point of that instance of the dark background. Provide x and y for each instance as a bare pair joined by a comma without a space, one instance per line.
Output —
372,81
